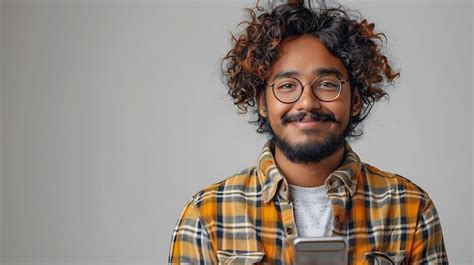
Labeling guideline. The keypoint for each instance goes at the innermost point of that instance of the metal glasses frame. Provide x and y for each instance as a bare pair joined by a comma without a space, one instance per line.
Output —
342,82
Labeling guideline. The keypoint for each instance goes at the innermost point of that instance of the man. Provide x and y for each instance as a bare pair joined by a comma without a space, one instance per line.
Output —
313,76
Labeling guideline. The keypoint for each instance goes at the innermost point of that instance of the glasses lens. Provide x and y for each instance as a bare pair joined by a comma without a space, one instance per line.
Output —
287,89
327,88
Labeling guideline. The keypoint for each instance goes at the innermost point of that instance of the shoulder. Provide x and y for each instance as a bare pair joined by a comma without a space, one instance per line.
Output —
379,181
241,186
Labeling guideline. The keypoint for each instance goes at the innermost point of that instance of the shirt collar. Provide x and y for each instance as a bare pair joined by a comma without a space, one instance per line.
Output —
270,177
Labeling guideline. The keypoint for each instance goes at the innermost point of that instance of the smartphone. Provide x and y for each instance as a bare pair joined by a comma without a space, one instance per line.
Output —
321,250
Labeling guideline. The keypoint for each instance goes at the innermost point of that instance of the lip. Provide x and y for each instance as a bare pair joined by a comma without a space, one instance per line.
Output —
311,124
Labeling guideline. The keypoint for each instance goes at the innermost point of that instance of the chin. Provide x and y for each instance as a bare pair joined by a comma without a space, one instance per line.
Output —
307,141
310,137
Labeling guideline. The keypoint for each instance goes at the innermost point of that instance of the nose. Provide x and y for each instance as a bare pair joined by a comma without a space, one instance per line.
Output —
308,101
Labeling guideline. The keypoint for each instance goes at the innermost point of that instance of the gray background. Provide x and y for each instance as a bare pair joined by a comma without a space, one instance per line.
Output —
112,115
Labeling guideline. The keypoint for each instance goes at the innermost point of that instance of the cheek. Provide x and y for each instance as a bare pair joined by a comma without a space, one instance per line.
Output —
276,109
340,109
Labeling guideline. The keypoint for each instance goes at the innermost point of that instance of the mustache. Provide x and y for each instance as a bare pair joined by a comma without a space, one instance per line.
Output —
314,115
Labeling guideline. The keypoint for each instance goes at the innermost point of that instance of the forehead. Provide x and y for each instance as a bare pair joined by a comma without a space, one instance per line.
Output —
305,55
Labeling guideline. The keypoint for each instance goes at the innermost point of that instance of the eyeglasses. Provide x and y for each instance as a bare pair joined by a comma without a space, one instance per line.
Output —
326,88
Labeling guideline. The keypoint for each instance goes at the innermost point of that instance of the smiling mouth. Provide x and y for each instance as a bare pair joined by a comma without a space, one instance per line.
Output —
309,123
308,119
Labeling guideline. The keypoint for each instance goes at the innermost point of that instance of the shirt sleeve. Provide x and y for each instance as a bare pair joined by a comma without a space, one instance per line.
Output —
428,247
191,243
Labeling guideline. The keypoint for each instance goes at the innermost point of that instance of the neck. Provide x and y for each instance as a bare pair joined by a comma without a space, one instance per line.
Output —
311,174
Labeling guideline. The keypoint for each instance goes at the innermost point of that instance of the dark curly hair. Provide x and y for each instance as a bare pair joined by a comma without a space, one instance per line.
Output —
246,66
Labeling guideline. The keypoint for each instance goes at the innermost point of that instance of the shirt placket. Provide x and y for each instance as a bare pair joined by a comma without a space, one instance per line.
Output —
339,197
288,220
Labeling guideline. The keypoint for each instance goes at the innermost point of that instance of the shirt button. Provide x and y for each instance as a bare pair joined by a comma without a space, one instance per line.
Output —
289,230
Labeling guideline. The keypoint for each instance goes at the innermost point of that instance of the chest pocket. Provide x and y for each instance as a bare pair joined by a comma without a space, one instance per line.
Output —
228,257
382,258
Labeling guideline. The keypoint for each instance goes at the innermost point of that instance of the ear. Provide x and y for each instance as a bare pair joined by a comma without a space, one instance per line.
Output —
356,102
262,109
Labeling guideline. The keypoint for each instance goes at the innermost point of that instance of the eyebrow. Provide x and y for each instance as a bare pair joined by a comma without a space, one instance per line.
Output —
327,71
316,72
285,74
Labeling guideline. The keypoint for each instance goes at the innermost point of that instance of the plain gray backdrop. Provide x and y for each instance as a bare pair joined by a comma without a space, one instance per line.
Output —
112,115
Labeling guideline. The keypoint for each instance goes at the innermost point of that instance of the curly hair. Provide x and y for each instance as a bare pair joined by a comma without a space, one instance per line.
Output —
246,66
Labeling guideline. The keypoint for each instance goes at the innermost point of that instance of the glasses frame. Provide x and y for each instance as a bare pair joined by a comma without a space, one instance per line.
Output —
342,82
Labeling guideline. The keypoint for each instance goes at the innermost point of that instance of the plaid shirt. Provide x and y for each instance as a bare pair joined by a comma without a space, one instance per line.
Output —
248,218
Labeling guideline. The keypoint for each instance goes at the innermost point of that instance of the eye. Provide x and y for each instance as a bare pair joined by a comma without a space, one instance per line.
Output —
328,84
286,84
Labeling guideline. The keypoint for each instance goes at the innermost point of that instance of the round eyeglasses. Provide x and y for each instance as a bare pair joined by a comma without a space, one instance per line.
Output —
325,87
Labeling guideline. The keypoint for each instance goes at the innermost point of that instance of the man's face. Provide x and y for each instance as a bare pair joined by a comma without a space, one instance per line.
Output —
302,137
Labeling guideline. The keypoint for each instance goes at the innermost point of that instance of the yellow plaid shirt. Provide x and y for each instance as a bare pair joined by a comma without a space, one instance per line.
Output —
248,218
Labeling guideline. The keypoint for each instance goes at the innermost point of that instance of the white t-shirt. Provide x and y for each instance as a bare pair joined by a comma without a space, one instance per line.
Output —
313,211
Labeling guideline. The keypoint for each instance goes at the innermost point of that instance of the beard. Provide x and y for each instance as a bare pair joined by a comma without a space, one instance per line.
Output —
311,151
